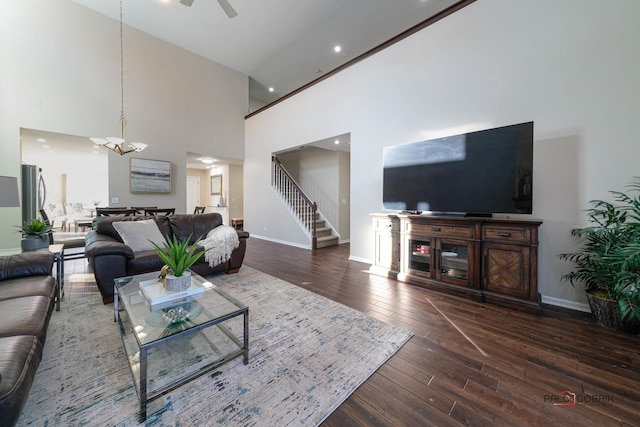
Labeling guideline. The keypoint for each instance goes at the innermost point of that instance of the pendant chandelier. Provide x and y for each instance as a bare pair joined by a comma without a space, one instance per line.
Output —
115,143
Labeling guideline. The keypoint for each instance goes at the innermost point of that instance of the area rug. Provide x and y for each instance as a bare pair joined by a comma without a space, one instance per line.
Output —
307,354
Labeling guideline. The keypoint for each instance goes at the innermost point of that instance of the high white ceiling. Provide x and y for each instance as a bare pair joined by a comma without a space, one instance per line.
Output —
283,44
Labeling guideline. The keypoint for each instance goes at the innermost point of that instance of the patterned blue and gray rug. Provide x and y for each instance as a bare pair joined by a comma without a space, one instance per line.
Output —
307,355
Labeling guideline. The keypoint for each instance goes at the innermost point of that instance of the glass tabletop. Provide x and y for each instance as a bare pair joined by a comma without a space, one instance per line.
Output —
182,314
55,249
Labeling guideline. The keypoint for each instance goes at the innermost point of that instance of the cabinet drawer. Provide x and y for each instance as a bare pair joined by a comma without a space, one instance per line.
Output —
439,229
386,224
506,234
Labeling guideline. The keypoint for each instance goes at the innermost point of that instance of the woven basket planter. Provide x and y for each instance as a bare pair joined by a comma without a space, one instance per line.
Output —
606,313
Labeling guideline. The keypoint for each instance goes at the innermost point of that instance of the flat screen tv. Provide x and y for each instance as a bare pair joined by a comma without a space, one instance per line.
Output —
477,173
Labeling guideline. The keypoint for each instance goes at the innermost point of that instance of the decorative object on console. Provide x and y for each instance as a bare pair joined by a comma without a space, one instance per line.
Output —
149,176
178,256
35,234
608,263
113,142
9,197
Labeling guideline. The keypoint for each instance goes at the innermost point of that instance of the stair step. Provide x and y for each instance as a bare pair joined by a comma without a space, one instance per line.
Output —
323,242
323,232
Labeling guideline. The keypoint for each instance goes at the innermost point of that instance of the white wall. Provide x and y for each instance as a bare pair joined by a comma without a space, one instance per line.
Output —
60,72
571,66
323,175
234,199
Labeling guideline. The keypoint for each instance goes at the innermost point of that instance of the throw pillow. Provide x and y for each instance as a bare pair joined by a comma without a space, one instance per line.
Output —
138,235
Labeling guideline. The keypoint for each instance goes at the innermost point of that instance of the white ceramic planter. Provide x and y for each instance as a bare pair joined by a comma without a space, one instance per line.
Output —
178,283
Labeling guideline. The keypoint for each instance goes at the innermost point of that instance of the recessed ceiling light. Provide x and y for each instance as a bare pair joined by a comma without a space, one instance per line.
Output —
318,70
337,48
41,140
46,146
270,89
207,160
337,141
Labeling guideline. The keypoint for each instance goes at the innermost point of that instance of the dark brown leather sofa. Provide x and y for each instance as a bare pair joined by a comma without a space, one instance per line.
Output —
110,258
27,297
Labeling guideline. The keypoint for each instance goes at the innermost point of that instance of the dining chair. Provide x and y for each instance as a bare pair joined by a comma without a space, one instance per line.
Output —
160,211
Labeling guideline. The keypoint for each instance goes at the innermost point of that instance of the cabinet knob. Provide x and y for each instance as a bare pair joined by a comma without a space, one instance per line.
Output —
504,234
435,229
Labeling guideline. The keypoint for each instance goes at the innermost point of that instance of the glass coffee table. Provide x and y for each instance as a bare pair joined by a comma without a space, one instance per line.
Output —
179,340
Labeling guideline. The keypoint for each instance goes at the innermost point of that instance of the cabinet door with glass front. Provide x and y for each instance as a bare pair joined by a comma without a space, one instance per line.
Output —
420,257
452,259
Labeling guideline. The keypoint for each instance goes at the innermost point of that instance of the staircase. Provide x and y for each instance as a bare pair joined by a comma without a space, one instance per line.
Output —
324,235
306,213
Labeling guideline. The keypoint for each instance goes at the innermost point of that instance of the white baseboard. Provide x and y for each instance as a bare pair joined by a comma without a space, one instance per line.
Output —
572,305
297,245
359,259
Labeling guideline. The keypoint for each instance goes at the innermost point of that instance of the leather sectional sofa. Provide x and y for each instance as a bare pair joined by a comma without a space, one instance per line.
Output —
110,258
27,297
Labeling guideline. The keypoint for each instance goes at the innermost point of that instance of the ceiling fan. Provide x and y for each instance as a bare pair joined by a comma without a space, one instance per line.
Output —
224,4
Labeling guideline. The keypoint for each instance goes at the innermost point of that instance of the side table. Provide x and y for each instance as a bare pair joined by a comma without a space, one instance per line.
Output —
58,251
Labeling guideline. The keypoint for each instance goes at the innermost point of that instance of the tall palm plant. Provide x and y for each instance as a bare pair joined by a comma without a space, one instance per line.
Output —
608,262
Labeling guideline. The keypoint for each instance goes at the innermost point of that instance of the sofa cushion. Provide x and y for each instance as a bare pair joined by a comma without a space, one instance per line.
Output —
138,235
19,360
26,316
193,227
26,264
144,262
28,286
104,224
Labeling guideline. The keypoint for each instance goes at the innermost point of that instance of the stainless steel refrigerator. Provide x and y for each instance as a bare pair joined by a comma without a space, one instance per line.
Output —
34,191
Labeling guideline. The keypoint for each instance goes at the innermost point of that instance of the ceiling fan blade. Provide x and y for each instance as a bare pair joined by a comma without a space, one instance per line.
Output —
186,2
228,9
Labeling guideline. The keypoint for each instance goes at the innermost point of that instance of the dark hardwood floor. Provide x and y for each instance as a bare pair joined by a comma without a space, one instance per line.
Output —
468,363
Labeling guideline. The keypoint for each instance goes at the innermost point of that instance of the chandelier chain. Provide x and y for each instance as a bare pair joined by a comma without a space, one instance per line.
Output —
122,116
114,143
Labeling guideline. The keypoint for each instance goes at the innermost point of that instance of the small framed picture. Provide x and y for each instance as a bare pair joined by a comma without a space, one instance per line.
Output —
149,176
216,185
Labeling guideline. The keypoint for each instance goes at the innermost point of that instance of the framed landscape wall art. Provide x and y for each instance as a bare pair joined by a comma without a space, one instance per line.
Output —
149,176
216,185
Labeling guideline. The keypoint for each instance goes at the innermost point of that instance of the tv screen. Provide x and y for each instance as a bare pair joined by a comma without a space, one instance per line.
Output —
483,172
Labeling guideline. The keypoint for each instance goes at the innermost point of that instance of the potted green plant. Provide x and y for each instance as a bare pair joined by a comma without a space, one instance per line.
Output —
35,234
608,262
178,258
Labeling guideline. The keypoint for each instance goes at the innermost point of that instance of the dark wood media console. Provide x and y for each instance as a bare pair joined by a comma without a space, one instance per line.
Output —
487,259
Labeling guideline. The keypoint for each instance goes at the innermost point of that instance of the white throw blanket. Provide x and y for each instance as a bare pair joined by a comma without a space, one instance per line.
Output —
220,243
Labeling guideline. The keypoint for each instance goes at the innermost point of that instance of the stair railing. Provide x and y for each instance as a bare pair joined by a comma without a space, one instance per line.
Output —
293,196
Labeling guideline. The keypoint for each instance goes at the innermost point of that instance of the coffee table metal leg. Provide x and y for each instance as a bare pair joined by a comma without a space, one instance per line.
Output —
245,357
115,303
143,383
59,258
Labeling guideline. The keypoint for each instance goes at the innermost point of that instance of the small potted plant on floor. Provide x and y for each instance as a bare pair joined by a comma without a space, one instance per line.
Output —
608,262
178,258
35,234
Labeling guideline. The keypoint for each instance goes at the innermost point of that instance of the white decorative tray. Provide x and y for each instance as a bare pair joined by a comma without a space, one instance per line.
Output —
158,296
